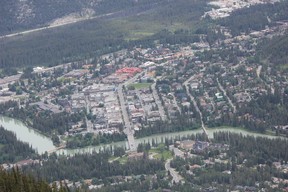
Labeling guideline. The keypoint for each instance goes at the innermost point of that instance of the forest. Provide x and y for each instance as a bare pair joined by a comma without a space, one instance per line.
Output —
15,181
95,165
275,51
256,17
181,123
248,157
174,22
88,139
43,12
12,150
44,121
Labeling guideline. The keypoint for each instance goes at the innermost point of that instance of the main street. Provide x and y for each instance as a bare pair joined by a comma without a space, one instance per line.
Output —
128,127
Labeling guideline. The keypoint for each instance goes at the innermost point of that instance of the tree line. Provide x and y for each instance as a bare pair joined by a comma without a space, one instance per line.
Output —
249,161
86,166
79,140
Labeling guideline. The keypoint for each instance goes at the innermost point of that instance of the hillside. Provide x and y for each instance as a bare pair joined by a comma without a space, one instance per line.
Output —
19,15
136,22
275,51
15,181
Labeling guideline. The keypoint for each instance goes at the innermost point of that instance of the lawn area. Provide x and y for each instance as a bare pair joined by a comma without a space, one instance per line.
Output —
161,152
165,155
140,85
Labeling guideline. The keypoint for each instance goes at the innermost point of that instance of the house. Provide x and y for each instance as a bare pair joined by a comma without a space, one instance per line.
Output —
200,146
187,144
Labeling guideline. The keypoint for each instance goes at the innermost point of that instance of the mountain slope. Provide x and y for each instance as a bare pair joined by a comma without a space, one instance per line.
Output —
24,14
87,39
275,50
19,15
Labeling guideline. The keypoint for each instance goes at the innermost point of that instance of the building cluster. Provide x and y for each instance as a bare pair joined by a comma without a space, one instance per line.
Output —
223,8
158,84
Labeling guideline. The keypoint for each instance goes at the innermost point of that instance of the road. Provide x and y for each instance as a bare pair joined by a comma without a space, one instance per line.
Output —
158,102
258,70
225,94
128,127
57,25
117,14
186,84
176,104
10,79
176,178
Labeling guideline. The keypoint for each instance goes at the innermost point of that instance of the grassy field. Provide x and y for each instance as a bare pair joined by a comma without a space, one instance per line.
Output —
140,85
161,152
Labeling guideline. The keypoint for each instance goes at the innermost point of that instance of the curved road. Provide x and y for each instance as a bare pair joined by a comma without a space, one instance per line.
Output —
176,178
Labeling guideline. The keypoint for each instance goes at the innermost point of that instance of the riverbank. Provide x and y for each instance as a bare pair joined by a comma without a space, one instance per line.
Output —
42,143
34,138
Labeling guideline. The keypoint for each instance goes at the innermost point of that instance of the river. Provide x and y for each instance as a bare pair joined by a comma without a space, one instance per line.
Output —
42,143
26,134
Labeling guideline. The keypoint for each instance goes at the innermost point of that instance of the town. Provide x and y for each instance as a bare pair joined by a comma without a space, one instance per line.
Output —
130,90
139,92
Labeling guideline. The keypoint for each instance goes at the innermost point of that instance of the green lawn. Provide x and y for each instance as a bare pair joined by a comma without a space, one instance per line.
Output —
140,85
161,152
165,155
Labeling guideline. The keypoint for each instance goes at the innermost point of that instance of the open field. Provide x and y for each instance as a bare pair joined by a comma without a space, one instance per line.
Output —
140,85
